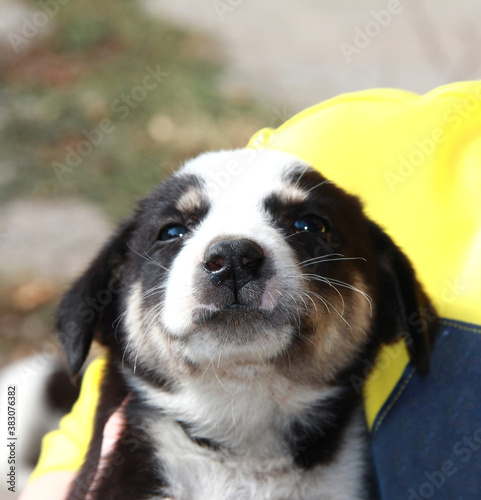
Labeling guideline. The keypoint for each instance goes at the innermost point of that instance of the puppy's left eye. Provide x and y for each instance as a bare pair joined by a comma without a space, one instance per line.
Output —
311,223
172,232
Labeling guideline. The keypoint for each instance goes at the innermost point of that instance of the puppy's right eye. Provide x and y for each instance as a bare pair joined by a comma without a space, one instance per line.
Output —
172,232
311,223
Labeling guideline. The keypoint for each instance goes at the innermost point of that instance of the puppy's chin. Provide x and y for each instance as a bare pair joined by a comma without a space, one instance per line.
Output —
236,334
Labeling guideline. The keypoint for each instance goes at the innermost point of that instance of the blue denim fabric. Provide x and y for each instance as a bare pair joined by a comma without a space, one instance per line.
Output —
426,440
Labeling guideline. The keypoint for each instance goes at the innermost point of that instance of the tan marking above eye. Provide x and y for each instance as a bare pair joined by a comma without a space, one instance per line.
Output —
292,194
190,201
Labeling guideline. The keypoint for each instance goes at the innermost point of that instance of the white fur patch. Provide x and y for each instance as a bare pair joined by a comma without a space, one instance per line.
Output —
246,417
197,474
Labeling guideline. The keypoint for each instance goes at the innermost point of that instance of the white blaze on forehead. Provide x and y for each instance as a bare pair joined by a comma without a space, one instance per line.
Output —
234,185
243,178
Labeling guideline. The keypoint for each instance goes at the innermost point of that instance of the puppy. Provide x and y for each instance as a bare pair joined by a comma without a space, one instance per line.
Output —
237,306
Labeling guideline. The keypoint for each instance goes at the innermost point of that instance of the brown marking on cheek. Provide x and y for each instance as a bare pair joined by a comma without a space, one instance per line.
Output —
327,343
147,345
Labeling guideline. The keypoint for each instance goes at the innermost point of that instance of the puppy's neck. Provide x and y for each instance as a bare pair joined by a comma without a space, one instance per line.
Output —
244,408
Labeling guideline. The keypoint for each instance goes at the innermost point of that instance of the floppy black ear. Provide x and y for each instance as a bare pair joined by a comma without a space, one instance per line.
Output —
91,296
404,308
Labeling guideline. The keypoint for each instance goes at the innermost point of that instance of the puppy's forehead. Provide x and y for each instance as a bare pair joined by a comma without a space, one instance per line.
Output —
229,176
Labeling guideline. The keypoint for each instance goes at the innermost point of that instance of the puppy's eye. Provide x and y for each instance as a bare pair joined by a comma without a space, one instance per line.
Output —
311,223
173,231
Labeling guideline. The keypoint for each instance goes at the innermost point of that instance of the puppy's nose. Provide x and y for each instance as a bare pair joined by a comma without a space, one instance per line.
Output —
233,263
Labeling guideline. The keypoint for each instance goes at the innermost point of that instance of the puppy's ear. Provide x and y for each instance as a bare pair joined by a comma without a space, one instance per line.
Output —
91,296
404,307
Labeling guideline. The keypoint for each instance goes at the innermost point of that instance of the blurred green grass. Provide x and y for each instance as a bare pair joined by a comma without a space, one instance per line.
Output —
94,57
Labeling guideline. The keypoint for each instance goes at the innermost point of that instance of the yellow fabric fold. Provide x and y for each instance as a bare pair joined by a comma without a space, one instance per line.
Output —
65,448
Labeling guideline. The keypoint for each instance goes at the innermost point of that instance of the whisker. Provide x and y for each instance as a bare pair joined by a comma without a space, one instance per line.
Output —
325,302
332,260
260,357
154,311
331,281
289,236
117,322
297,312
322,299
215,373
321,258
327,181
306,169
312,300
149,259
125,353
144,295
338,292
335,309
207,368
353,288
304,302
154,290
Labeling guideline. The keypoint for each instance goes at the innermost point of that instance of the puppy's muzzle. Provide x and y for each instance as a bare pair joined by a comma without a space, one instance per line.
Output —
233,263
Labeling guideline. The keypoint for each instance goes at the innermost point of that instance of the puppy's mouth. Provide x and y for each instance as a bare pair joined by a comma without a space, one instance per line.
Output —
237,332
239,315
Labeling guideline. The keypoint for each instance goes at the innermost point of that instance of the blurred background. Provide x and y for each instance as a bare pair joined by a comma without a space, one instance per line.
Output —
101,100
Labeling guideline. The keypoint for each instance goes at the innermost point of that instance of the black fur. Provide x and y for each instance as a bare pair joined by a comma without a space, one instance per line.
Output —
207,443
403,307
92,297
314,438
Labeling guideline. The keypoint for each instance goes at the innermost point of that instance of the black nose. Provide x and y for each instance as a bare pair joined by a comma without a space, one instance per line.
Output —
233,263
